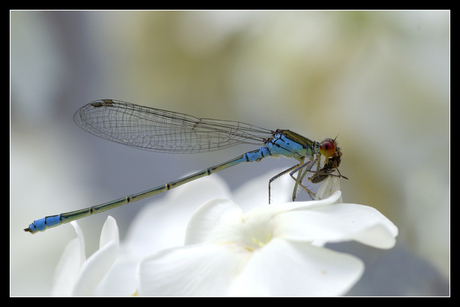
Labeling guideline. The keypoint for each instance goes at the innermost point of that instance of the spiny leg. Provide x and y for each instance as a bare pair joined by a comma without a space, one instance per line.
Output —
301,175
279,175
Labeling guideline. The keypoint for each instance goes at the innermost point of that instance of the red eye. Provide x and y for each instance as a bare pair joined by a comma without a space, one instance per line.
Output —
327,147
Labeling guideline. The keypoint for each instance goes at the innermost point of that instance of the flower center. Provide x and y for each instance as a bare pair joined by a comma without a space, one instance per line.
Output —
258,243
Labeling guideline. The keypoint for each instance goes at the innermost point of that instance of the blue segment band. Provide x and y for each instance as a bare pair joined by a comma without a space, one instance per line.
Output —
44,223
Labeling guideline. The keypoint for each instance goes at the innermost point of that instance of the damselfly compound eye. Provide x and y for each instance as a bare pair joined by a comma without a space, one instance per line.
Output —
327,147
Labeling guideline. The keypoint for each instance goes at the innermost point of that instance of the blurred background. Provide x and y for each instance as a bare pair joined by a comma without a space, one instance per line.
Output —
380,81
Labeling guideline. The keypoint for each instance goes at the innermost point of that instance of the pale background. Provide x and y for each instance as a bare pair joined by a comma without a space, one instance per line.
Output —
378,80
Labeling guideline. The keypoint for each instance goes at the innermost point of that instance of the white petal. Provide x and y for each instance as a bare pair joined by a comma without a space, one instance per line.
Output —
94,270
69,265
191,270
299,205
67,270
162,223
207,217
109,232
97,266
284,268
120,280
340,222
276,209
381,235
81,239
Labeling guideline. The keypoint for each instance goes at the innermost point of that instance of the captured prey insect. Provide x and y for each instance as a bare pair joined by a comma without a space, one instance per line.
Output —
171,132
330,167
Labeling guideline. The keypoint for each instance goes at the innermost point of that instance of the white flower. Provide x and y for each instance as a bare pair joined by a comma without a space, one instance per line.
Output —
76,275
272,250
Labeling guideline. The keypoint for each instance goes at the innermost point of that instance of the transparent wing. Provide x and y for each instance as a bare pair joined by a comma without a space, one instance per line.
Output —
330,185
163,131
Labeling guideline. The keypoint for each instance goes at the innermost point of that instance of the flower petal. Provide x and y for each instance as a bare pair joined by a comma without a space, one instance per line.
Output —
81,239
191,270
94,270
340,222
67,270
276,209
207,217
162,223
97,266
120,280
288,268
69,265
109,232
303,205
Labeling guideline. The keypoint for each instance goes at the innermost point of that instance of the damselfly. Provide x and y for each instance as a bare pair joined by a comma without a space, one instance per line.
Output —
171,132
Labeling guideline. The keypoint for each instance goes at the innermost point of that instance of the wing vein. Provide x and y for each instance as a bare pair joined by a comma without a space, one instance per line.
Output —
164,131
